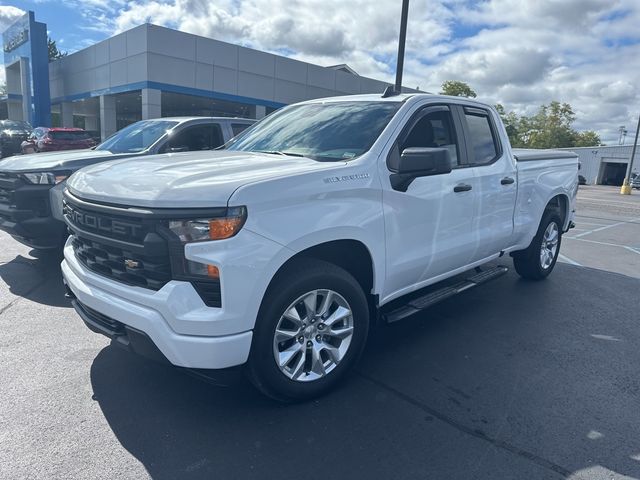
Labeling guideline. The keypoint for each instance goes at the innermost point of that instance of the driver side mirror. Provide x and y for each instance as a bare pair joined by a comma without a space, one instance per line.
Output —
417,162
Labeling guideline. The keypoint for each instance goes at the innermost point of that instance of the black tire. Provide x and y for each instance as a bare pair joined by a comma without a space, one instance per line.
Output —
298,278
527,262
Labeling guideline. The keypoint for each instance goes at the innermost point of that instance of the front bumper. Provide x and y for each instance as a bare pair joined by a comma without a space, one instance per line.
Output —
25,214
156,315
34,231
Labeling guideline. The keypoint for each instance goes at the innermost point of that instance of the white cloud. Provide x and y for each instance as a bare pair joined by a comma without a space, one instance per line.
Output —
8,15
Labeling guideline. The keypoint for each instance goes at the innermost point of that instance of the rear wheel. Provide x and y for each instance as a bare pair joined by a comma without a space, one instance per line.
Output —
311,330
539,259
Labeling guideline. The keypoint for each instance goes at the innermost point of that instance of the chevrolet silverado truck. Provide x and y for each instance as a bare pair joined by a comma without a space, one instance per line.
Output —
31,186
279,252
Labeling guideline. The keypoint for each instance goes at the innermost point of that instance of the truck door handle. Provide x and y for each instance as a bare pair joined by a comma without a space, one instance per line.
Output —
507,181
462,187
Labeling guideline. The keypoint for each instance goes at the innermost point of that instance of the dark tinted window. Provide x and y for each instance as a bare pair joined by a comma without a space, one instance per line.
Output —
69,135
434,130
322,131
239,128
483,142
197,137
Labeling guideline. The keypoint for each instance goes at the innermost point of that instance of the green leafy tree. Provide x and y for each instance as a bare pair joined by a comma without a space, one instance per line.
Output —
512,124
3,89
456,88
54,53
588,138
550,127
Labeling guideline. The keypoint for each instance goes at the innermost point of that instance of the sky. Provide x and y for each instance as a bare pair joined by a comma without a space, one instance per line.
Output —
521,53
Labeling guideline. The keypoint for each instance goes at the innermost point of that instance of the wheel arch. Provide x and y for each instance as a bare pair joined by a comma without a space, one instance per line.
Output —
560,204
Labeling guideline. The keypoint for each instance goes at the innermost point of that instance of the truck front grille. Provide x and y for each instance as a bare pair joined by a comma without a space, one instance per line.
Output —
132,248
8,185
145,271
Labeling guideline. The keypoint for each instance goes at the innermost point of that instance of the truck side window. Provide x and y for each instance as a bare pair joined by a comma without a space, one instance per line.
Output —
482,136
197,137
434,130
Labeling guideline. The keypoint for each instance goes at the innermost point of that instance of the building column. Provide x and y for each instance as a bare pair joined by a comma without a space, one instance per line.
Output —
151,103
91,122
107,115
66,114
261,111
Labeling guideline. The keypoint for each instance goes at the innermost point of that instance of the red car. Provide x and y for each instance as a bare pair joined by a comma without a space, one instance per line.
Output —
44,139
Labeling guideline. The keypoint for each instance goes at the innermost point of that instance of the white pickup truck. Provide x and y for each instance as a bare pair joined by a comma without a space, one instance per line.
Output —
281,250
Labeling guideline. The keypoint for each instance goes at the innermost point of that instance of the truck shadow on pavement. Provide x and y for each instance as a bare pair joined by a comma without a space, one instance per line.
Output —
36,279
511,380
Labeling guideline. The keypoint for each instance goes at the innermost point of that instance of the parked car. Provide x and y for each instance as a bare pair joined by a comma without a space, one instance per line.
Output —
31,185
12,134
582,180
635,181
44,139
279,251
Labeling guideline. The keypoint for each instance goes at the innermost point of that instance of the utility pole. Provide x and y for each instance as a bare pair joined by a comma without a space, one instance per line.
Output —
626,186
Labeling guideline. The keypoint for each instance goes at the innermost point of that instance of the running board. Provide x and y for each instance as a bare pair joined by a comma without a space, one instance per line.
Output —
431,298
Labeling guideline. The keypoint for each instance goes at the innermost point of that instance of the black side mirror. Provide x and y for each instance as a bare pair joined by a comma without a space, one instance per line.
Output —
417,162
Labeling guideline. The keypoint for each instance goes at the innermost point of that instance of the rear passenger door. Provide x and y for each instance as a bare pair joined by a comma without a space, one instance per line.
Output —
496,180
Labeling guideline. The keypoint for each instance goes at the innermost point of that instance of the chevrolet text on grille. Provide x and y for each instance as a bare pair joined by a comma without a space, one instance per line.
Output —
100,223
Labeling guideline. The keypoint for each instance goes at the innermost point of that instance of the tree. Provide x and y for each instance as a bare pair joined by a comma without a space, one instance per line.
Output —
3,89
54,53
511,123
550,127
456,88
588,138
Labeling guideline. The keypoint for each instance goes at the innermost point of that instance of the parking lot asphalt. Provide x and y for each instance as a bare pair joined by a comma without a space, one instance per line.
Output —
512,380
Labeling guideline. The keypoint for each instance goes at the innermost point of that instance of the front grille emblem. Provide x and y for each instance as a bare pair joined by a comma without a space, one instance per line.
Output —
131,263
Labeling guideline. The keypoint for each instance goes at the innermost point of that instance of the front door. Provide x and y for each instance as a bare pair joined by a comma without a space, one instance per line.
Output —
429,227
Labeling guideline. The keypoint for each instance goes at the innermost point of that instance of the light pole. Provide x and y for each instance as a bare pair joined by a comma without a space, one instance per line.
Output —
626,186
397,88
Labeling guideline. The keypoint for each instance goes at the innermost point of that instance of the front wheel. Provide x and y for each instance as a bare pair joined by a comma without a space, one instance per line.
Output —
312,328
539,259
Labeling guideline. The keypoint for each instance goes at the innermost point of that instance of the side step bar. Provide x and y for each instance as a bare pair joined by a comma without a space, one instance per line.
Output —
431,298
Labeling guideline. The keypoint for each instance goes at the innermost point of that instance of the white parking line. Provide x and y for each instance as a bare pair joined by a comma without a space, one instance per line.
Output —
626,247
565,259
599,229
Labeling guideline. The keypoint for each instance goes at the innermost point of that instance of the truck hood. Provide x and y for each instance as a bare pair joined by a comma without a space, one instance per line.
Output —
71,160
183,180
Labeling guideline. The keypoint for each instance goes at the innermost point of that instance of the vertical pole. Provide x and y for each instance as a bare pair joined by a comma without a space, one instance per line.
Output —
403,38
626,187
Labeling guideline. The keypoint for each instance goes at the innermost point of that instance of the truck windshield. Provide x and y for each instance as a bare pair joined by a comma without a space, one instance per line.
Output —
137,137
322,131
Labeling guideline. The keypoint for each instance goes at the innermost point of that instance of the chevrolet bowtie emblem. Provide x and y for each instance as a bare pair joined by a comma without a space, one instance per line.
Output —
131,263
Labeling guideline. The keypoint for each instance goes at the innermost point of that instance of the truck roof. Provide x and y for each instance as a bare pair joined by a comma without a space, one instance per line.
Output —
377,97
188,118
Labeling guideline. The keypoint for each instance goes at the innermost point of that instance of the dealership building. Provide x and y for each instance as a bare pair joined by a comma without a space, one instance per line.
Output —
152,71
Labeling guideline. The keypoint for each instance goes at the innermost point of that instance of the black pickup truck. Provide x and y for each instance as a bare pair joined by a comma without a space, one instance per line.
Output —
31,186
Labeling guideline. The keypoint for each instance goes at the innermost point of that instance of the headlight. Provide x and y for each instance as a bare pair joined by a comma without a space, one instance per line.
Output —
44,178
202,229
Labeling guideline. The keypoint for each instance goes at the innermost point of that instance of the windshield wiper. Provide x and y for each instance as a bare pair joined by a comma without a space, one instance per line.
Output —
276,152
